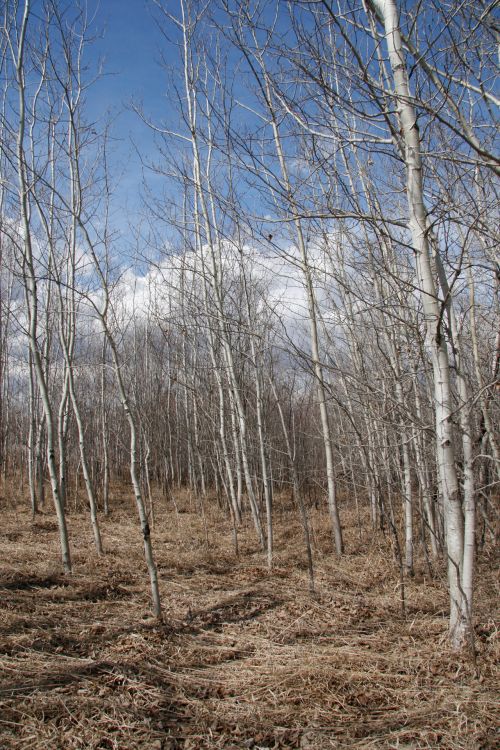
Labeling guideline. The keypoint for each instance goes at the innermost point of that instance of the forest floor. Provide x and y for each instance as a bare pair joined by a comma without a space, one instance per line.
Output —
246,658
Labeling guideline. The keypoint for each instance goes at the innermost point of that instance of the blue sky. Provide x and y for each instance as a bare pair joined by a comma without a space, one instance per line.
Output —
134,55
129,50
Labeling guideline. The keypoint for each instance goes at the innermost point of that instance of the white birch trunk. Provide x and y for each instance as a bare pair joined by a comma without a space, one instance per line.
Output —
418,226
215,272
31,292
313,326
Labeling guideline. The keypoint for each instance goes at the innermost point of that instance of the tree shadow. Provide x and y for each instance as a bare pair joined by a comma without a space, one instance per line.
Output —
237,609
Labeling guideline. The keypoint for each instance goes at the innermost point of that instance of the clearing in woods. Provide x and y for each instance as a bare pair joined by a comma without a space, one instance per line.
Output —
245,658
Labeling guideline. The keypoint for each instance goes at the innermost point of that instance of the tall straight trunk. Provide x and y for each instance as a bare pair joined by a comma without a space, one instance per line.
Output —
169,463
237,453
260,423
196,430
67,328
102,314
313,324
234,499
264,469
418,225
218,372
483,399
147,479
297,495
391,343
62,436
213,243
229,484
423,479
6,298
191,468
83,456
468,485
32,440
31,293
39,461
104,433
134,476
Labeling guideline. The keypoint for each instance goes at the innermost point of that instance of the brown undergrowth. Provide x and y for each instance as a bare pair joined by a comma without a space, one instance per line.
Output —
246,658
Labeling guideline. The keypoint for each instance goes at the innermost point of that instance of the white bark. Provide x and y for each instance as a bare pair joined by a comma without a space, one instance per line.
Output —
215,272
313,325
31,292
418,225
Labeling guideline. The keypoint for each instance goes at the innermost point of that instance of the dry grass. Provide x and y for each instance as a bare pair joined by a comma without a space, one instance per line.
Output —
246,658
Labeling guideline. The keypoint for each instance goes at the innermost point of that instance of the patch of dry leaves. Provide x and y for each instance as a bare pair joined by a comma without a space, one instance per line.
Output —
246,658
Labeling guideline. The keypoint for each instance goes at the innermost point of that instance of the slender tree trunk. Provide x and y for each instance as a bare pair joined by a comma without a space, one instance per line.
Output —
104,434
313,327
134,476
31,294
299,500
